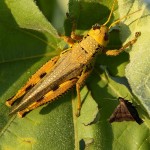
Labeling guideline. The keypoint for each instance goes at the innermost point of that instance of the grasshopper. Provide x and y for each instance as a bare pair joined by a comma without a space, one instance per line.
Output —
70,68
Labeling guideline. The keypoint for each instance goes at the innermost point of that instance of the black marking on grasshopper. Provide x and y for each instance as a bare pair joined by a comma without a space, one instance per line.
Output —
84,50
29,87
86,36
40,99
55,87
42,75
23,115
94,54
10,99
99,47
97,50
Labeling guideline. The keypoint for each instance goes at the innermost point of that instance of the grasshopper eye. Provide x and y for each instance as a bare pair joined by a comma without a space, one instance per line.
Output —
96,26
106,37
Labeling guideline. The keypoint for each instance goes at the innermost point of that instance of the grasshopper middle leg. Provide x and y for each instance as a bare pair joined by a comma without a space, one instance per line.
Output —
86,72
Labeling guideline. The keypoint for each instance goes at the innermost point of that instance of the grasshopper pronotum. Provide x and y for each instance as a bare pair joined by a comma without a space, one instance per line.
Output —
70,68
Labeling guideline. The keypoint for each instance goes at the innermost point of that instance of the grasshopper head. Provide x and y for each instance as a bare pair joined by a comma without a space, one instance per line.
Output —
100,34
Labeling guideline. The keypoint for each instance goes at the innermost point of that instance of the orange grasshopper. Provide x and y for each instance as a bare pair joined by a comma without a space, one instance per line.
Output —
70,68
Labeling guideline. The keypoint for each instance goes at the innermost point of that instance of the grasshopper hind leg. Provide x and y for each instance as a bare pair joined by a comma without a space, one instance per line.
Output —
33,80
62,88
50,96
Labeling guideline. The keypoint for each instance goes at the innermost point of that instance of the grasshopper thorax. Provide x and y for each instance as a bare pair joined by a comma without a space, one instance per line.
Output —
100,34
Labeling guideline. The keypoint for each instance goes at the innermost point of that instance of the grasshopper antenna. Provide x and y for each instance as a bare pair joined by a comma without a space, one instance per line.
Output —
117,21
112,9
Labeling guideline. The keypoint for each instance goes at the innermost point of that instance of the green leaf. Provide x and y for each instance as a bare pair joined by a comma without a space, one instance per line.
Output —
27,15
28,40
138,70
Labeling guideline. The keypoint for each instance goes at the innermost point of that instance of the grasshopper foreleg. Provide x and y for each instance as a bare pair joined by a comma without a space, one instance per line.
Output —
130,43
74,37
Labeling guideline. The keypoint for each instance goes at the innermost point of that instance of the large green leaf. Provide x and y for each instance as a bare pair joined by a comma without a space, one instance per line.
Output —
55,126
138,70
